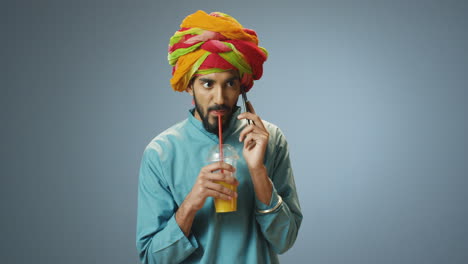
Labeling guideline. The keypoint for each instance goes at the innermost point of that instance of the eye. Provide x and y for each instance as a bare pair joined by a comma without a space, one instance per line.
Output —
207,84
231,83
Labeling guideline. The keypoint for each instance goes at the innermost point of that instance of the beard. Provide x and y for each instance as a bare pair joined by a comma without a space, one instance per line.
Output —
205,117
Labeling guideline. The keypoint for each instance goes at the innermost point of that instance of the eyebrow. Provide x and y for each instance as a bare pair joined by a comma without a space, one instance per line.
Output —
205,80
213,81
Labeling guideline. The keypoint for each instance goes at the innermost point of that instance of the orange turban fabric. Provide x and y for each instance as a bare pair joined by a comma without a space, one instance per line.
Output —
214,43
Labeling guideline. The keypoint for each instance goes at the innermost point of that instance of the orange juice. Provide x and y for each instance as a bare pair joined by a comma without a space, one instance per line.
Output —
228,155
224,206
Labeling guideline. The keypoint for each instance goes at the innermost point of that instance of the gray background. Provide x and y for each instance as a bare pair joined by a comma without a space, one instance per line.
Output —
370,94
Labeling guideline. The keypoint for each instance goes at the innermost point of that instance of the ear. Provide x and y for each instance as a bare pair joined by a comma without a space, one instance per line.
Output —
189,89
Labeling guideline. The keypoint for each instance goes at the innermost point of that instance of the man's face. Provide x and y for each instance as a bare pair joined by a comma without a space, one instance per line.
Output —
215,91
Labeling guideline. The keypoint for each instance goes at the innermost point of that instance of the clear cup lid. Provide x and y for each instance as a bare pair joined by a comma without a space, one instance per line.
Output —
229,152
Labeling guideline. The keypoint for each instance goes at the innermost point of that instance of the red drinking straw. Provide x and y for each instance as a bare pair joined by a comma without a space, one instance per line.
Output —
220,136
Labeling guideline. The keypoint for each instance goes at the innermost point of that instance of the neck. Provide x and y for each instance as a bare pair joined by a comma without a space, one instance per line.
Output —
196,114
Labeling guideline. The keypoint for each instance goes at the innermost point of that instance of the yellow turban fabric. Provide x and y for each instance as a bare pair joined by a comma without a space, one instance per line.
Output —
216,42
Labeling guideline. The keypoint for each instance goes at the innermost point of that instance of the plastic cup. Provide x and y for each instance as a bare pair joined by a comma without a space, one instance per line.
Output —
229,156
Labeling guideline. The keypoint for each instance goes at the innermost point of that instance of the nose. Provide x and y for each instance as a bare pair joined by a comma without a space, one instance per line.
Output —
219,95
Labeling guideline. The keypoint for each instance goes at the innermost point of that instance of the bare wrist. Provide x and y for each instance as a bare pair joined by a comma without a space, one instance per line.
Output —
184,217
258,170
187,208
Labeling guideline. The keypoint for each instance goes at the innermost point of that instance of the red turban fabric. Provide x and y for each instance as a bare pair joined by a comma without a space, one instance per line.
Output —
214,43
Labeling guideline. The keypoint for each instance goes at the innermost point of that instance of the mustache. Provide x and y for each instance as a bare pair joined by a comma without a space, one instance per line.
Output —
219,107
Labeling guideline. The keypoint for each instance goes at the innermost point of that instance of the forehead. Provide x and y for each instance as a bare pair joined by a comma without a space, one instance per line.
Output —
219,76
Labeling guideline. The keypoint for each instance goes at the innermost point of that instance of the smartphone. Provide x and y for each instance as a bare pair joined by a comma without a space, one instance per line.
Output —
244,99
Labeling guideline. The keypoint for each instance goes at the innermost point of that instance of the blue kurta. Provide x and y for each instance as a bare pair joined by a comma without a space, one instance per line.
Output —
169,168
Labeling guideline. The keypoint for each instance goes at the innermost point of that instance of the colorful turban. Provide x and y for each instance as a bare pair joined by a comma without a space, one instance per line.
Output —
214,43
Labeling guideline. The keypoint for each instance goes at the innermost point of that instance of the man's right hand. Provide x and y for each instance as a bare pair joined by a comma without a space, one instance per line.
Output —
204,187
207,186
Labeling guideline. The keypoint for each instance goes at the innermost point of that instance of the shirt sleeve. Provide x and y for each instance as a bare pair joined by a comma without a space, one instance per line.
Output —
280,220
159,238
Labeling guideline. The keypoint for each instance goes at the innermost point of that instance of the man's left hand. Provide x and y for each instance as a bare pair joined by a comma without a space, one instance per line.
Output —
255,138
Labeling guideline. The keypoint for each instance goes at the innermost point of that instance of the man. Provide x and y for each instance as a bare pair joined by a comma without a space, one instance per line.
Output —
215,59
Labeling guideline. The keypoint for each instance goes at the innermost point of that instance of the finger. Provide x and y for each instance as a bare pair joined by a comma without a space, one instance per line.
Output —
249,141
216,194
246,115
245,132
222,189
218,166
224,177
252,129
253,117
251,144
256,134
